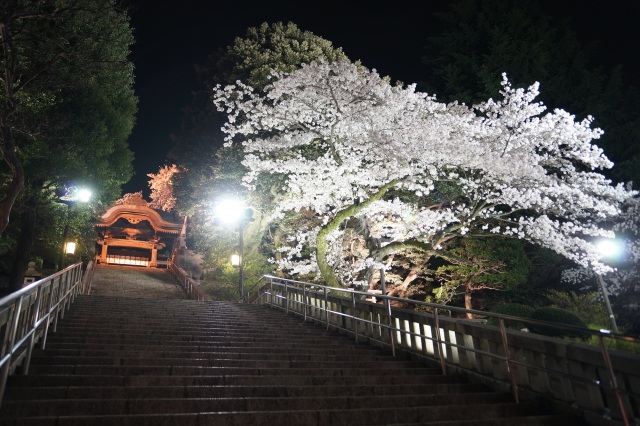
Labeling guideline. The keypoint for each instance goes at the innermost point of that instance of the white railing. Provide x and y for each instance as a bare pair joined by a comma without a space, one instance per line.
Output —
593,381
27,314
189,285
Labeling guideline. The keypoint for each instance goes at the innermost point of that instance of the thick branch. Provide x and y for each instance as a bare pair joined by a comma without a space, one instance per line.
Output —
8,150
321,240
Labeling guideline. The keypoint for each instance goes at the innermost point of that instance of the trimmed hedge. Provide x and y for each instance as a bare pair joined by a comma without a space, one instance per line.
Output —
556,315
515,309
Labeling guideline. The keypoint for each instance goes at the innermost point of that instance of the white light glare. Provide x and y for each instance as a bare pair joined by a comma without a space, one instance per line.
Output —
608,248
83,195
230,210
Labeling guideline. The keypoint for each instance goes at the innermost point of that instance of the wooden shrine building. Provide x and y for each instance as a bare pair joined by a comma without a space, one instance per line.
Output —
134,234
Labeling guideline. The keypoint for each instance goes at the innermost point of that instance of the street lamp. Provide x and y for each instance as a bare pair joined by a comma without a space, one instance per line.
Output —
70,247
607,248
72,196
234,211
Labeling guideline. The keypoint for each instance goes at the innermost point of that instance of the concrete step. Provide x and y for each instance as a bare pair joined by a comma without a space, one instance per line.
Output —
449,391
76,407
238,338
227,353
247,370
267,379
221,362
366,353
314,417
126,361
539,420
131,345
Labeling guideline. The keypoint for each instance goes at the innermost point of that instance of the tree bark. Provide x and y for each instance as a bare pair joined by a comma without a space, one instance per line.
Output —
8,150
8,145
25,243
467,302
321,240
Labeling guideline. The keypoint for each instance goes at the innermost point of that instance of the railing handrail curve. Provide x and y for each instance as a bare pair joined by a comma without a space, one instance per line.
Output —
409,327
457,309
188,284
244,298
26,315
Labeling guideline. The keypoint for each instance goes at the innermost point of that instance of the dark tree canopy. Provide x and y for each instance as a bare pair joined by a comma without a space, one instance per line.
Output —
66,110
481,39
279,47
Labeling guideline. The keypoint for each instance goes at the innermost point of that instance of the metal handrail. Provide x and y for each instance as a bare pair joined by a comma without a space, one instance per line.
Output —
253,290
189,285
27,314
349,313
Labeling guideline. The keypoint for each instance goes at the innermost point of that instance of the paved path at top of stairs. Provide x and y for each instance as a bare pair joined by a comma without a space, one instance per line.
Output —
135,281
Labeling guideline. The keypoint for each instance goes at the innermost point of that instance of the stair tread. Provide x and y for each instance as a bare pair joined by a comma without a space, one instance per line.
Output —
134,361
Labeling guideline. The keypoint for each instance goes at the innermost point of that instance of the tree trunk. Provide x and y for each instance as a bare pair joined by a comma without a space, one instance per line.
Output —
467,302
25,242
8,144
321,240
401,290
8,150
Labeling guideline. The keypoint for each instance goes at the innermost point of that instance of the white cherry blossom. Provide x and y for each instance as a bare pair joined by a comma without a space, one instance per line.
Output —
344,138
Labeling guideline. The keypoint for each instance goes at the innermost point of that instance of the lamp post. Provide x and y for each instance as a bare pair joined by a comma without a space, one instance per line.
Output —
607,248
237,260
72,196
234,211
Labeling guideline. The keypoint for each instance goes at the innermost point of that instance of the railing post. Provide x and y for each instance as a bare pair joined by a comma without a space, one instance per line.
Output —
505,344
48,314
62,296
57,303
34,323
304,301
326,307
7,351
613,380
391,327
354,316
286,298
439,342
387,303
271,291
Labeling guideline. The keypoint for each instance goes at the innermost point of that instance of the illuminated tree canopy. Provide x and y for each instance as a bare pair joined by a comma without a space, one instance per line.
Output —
344,143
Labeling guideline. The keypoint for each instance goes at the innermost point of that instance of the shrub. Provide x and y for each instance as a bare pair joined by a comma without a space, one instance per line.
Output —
587,306
514,309
559,316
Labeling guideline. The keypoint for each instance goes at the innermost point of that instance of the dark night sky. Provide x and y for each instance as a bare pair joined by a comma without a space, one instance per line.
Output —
173,35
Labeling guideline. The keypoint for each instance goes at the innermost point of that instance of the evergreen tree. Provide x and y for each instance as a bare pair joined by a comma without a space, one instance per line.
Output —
66,110
481,39
476,265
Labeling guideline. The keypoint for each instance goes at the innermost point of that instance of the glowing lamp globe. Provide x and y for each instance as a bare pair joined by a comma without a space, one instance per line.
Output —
70,248
83,195
608,248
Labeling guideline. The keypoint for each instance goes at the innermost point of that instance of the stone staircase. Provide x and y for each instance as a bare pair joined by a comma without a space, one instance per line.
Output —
137,361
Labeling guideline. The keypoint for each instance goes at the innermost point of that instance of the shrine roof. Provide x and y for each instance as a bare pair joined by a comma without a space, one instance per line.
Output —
136,213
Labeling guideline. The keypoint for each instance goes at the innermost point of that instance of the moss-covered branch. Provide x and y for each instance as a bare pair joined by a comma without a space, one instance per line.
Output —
321,241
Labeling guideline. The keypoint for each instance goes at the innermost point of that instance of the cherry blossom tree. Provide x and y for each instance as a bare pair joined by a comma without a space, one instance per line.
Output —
343,143
132,198
622,283
161,185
